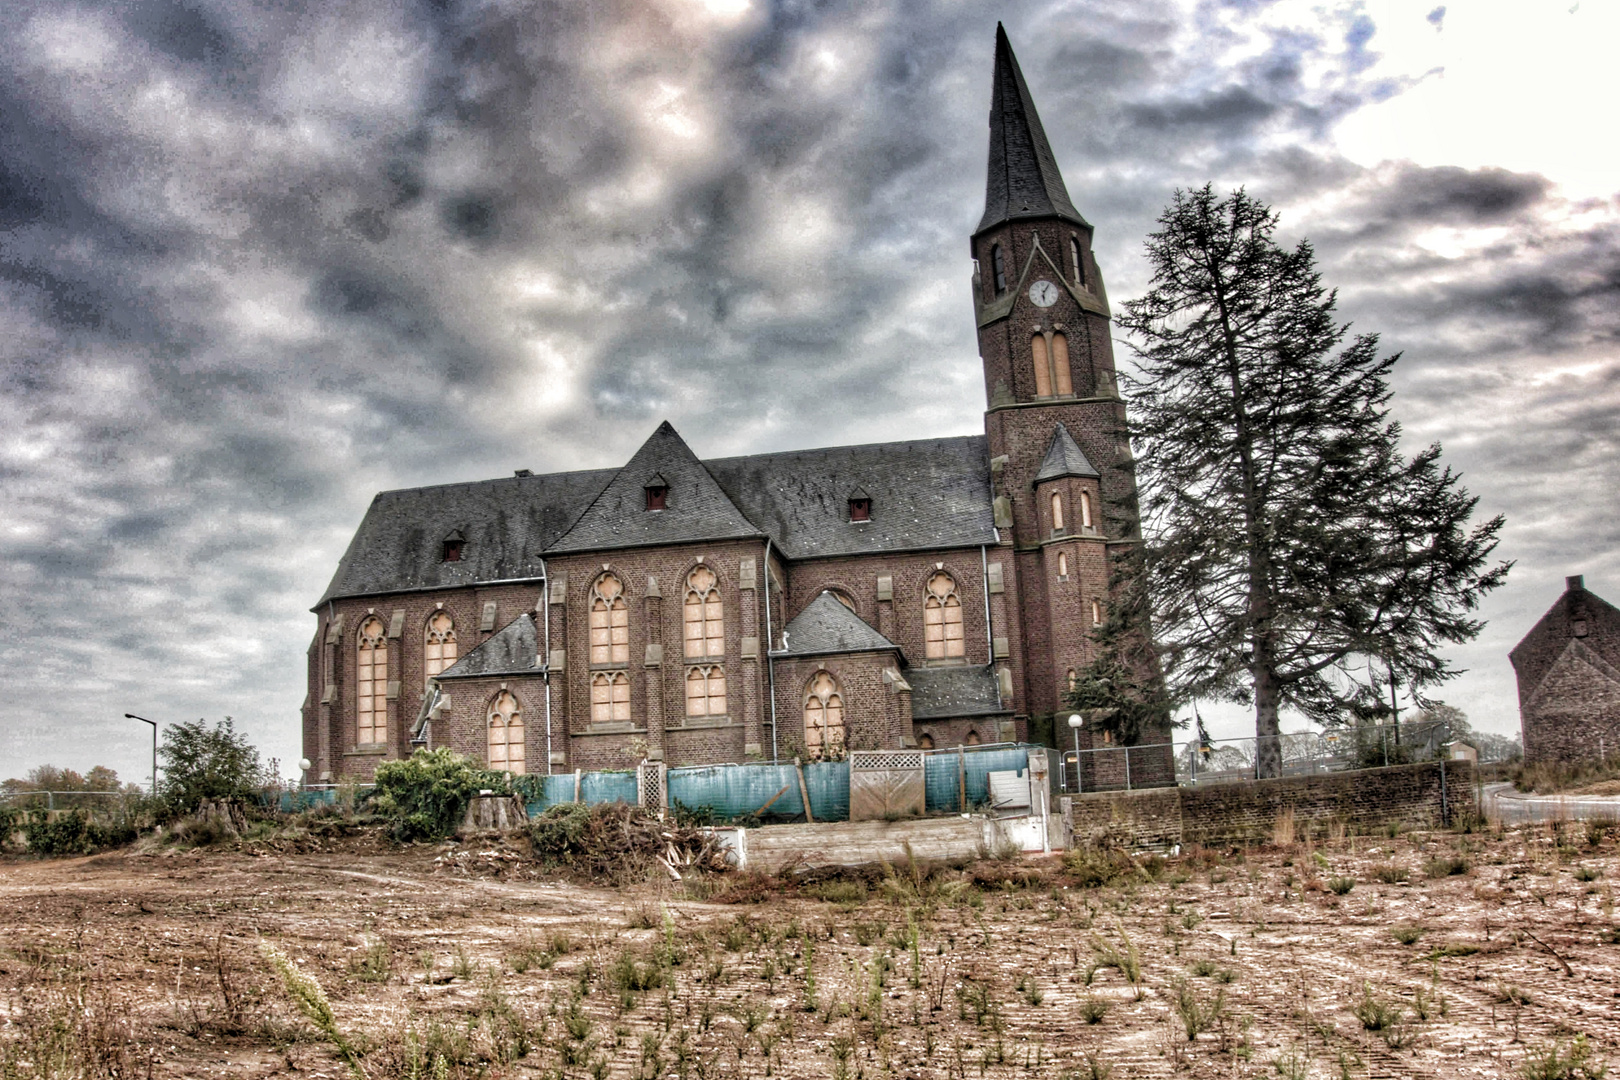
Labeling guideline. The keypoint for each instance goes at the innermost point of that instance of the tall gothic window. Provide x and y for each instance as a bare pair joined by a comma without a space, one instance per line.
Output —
1057,512
823,716
1062,381
506,743
942,619
610,697
704,616
610,622
998,266
1073,680
1079,267
1043,366
1085,510
705,691
439,650
371,684
1063,566
1096,612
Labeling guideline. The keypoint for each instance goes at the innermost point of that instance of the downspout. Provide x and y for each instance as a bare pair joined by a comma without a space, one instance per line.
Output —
984,583
770,645
545,615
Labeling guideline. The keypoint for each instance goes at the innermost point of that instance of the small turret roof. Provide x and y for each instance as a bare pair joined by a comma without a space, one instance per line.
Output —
1064,458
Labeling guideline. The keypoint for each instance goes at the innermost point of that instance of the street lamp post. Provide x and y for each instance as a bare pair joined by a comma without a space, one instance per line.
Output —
144,720
1074,726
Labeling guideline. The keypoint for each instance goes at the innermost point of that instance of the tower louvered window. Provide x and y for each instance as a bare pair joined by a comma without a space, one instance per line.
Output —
1057,512
1079,267
1085,510
704,616
439,649
998,266
610,622
823,716
942,619
1062,380
705,691
371,684
610,697
505,739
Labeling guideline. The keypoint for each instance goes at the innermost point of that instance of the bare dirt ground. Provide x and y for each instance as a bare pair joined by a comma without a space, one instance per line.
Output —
443,961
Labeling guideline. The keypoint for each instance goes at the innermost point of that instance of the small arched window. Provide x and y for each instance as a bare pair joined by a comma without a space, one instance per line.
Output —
1085,510
1074,257
704,615
998,267
1063,566
1043,366
925,741
1096,612
706,691
1073,680
506,741
823,716
1062,381
1057,511
942,619
439,649
971,739
610,697
610,622
371,684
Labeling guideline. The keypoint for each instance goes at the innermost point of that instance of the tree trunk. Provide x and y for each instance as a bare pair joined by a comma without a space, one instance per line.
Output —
223,814
494,813
1268,739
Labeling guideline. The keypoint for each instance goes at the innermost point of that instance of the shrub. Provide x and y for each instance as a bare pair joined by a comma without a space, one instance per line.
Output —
1391,874
1341,885
1094,869
1555,1061
1446,866
200,763
1197,1014
426,795
68,834
1406,935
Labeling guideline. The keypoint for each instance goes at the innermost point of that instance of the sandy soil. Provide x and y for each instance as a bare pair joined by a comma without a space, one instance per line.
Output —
461,950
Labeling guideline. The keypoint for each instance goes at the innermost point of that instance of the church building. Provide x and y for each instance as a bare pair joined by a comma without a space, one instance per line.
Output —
927,593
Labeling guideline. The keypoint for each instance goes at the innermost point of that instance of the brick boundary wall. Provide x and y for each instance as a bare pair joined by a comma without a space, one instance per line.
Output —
1247,811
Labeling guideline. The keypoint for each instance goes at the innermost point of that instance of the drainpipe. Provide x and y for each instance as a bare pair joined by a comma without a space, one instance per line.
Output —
545,615
984,584
770,644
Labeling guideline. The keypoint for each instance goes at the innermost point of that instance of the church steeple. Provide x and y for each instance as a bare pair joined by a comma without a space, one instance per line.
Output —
1023,180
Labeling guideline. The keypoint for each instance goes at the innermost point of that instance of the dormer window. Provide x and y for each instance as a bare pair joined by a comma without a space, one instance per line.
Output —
450,550
657,491
998,266
860,505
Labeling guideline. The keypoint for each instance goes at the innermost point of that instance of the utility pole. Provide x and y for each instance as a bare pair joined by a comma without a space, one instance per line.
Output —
144,720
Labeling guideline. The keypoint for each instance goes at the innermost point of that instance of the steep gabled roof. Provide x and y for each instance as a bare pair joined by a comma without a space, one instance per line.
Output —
926,494
826,627
1023,180
505,525
945,692
512,650
696,509
1577,614
1064,458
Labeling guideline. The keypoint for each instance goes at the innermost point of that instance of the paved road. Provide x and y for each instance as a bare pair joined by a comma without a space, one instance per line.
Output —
1513,807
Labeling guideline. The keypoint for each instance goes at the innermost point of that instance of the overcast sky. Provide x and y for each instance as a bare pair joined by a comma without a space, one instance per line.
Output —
259,261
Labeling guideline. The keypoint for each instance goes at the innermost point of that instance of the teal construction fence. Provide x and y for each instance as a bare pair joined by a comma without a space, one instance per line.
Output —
953,779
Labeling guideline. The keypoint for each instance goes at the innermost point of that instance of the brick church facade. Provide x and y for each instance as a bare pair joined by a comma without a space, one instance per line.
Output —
1568,669
927,593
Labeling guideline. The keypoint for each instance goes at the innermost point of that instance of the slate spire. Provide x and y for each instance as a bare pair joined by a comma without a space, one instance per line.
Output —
1023,180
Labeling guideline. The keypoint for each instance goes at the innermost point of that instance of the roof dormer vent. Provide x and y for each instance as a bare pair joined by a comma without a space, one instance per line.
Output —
450,551
657,490
860,505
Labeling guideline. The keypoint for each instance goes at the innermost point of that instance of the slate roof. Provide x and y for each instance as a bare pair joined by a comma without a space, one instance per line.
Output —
696,507
511,650
1063,458
930,493
505,523
826,627
1023,180
945,692
926,494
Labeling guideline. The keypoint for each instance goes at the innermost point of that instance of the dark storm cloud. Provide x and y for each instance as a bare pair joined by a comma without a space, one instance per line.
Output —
259,261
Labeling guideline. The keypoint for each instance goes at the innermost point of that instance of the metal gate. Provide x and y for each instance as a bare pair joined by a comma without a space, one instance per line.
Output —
885,784
652,787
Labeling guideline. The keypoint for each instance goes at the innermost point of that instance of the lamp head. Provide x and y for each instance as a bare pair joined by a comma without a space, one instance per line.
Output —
1075,721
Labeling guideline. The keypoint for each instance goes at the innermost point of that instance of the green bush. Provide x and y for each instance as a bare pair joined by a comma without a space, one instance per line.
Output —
556,833
68,834
200,763
426,795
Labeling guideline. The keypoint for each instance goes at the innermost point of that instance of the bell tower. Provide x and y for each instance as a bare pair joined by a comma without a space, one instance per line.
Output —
1054,417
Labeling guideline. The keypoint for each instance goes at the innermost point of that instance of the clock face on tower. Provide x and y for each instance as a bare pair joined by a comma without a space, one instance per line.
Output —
1043,293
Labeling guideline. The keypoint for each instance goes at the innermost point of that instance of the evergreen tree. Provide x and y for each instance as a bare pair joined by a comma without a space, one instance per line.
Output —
1287,538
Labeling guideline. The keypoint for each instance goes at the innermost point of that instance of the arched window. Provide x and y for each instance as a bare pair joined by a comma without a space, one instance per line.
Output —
998,265
942,619
706,691
1073,680
1079,267
971,739
705,618
610,697
371,683
1062,381
823,716
506,743
1043,366
1057,511
1096,612
925,741
610,622
1063,566
1085,510
842,597
439,651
